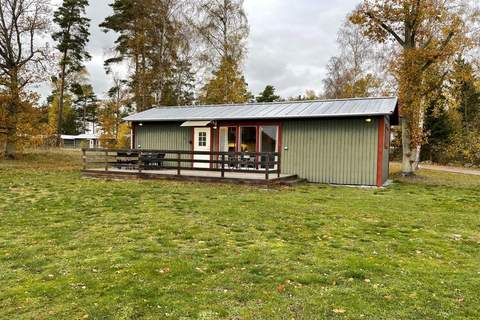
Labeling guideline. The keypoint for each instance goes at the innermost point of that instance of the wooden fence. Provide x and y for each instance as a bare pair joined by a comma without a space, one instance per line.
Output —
266,163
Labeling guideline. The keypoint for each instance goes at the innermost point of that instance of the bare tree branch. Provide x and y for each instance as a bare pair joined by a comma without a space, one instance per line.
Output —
386,28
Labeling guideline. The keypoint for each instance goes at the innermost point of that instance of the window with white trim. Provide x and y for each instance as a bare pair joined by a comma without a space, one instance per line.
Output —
202,139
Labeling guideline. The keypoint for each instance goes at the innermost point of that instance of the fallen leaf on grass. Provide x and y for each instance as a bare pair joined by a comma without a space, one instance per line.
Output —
166,270
456,237
339,310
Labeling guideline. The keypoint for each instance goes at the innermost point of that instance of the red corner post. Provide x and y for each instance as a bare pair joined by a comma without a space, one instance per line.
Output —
381,143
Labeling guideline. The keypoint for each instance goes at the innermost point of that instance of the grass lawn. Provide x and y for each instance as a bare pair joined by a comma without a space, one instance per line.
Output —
74,248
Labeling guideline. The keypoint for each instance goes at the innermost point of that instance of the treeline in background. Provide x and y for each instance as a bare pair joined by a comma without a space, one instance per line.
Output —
185,52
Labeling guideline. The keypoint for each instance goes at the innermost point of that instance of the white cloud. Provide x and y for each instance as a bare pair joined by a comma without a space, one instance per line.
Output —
291,42
289,46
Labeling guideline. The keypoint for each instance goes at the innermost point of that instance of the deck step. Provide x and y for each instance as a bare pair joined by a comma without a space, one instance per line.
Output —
293,182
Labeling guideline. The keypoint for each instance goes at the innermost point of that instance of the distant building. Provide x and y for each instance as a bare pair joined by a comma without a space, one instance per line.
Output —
85,140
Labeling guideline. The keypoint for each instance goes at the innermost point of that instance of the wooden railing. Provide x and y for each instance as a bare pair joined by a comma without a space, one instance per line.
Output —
266,163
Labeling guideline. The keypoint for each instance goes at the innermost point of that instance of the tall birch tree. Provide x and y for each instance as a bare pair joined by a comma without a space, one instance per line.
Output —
223,26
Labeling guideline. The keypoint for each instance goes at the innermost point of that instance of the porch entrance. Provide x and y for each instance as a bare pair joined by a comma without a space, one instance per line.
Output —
247,140
201,143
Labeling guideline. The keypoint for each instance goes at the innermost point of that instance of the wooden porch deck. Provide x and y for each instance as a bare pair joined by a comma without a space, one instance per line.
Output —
192,175
232,167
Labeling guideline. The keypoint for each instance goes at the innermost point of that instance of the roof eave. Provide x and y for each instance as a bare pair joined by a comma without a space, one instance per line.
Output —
131,119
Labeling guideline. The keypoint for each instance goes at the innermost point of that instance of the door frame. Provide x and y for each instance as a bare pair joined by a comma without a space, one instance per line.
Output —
193,143
257,125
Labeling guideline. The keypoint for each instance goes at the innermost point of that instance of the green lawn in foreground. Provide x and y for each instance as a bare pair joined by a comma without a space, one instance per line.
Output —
73,248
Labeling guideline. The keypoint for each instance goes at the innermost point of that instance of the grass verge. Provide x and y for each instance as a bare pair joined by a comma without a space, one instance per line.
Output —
78,248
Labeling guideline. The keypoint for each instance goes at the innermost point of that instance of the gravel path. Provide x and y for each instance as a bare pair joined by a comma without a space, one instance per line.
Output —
450,169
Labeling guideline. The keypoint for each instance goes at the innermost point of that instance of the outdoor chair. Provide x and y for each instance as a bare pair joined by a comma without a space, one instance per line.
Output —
152,161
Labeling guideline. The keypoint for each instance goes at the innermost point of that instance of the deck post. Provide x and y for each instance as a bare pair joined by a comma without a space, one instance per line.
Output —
84,159
106,160
178,163
139,162
223,166
279,165
267,167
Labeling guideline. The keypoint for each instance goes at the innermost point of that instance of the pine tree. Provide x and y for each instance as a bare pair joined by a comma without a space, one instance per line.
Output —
438,127
154,38
268,95
466,94
86,103
72,38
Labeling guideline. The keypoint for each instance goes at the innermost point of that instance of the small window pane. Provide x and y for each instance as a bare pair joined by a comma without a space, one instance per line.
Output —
269,138
248,142
202,139
228,139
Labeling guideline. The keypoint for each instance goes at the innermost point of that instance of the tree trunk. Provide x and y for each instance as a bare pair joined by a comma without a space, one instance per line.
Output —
61,102
13,106
11,145
409,154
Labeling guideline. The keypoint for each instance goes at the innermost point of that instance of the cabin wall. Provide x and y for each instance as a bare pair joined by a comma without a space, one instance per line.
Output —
163,136
336,151
386,151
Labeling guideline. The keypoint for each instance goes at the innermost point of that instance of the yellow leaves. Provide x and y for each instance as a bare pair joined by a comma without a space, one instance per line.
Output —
227,86
123,136
438,34
339,310
164,270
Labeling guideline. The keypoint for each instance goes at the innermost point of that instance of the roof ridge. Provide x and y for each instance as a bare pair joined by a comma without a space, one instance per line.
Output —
273,103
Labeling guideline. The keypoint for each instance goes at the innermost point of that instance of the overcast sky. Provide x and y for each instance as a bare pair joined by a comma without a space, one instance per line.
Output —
289,46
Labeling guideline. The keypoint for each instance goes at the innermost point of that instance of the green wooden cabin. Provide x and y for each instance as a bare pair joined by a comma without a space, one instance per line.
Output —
329,141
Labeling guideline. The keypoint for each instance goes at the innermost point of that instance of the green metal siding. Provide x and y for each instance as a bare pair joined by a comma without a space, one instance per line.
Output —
163,136
337,151
386,153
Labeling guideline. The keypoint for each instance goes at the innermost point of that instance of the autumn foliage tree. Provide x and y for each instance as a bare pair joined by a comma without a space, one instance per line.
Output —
223,27
226,86
111,114
426,32
22,22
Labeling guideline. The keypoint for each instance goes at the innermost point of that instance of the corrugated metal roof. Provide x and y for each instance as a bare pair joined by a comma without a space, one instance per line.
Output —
276,110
